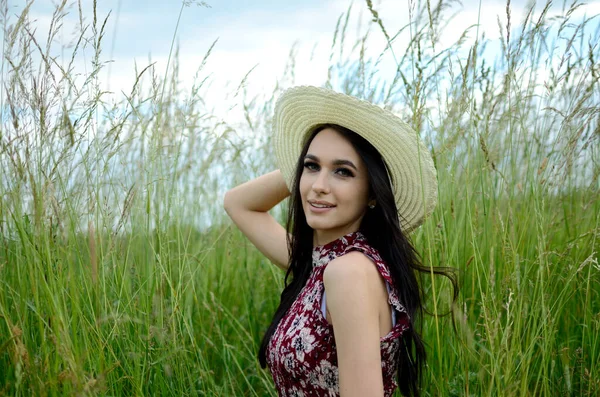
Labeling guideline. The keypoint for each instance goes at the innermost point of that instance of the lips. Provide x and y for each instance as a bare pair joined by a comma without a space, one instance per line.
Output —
320,204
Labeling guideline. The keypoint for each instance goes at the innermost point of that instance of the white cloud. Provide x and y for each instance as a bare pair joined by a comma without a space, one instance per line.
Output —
262,37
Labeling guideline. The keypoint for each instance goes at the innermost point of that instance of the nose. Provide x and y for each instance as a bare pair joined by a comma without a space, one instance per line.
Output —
321,184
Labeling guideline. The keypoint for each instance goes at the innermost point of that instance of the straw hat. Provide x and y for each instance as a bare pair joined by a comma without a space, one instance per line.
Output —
298,110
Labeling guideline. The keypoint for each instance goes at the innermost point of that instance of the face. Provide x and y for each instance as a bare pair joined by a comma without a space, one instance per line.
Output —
335,176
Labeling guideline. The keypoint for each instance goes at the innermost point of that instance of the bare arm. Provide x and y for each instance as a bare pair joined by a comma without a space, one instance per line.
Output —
351,283
247,205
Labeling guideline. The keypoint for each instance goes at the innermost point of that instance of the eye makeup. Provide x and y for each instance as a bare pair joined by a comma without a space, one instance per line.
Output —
312,166
334,162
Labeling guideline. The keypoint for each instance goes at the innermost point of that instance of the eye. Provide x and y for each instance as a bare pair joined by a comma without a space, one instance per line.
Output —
315,167
311,166
345,172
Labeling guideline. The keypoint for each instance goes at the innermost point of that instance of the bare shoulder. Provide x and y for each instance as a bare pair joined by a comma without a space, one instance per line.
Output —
351,270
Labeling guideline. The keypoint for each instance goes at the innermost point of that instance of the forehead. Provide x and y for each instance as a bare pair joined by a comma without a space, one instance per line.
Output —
331,144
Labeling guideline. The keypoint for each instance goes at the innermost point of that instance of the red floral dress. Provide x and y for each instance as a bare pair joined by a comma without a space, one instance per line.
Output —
302,355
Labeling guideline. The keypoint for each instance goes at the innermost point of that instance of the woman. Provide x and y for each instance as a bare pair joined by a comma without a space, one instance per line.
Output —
359,179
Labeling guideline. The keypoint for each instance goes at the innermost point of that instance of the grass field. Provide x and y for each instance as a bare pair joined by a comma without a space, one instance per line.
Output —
120,273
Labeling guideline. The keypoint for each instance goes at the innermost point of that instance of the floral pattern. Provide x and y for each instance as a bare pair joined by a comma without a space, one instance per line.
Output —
301,354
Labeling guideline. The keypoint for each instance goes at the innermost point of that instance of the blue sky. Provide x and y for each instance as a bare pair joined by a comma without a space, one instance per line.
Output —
257,33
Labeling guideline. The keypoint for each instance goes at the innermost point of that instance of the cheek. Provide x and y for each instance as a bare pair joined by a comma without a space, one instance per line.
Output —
302,186
360,196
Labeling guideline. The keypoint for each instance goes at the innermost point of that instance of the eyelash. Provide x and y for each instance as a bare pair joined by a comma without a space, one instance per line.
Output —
308,164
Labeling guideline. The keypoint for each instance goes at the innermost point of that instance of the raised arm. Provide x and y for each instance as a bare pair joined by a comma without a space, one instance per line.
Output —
247,205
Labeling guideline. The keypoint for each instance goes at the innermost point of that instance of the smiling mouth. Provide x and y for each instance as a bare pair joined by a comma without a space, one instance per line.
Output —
318,208
321,205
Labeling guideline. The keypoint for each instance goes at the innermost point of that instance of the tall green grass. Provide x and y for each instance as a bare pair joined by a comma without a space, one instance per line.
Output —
120,273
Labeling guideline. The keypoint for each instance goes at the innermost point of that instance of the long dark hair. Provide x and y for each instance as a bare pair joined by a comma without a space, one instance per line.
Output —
381,227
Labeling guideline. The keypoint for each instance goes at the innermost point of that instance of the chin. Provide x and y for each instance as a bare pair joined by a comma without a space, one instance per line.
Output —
317,225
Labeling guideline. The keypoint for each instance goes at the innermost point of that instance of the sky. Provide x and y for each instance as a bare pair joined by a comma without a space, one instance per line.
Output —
254,36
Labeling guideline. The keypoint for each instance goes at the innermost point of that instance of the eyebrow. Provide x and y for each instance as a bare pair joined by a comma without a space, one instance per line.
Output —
334,162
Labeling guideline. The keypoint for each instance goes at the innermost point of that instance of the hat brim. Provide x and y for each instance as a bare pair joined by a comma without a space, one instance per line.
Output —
300,109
